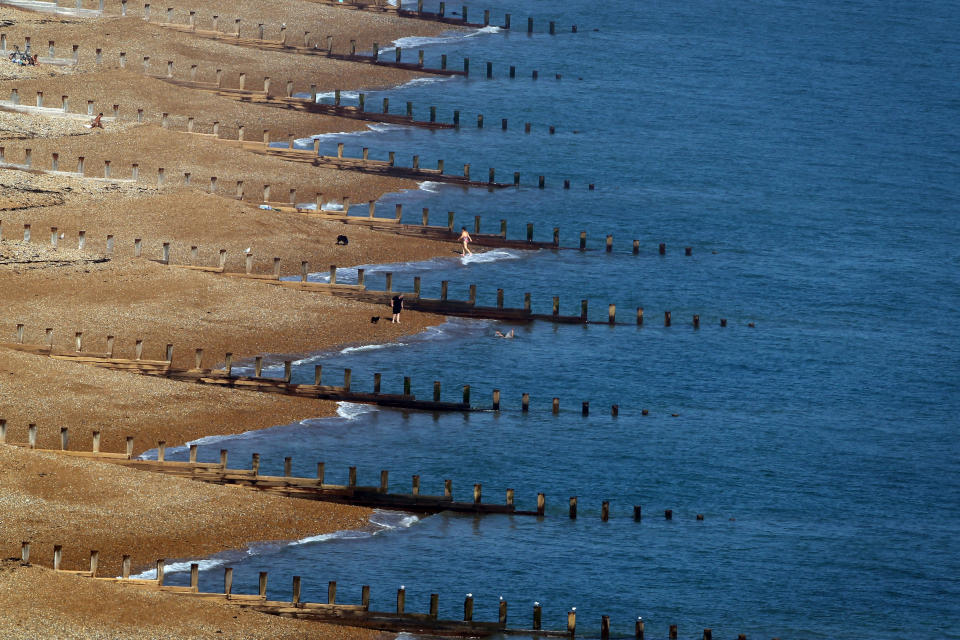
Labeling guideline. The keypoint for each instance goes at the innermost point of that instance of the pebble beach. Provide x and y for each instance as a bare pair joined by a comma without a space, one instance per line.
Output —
49,499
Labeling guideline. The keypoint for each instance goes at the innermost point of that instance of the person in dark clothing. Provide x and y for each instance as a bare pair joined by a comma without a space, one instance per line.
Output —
397,307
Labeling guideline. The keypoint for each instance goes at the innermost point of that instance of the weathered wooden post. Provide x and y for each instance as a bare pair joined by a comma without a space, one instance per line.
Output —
401,600
556,406
673,632
227,581
537,616
415,485
434,605
572,622
573,507
496,399
384,480
605,511
332,592
352,477
525,402
295,600
666,318
639,629
468,608
541,504
477,493
604,620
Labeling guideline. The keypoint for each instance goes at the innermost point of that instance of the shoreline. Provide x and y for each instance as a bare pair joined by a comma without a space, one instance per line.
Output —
89,505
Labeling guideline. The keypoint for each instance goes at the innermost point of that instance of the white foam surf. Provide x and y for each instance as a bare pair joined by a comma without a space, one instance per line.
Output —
489,256
206,440
372,347
380,522
353,410
423,41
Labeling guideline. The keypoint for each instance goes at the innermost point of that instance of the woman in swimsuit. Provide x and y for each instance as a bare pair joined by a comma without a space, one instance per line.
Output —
465,239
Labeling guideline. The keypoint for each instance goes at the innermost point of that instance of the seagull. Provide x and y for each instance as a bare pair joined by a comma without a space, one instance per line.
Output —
469,595
536,604
247,250
402,587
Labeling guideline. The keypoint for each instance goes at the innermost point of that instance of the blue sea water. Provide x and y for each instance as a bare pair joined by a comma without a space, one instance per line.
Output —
807,152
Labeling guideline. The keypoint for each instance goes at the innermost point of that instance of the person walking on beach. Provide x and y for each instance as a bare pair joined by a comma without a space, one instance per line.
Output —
397,303
95,123
465,239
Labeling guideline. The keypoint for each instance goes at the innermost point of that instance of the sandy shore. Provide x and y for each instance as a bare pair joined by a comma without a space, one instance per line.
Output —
52,499
39,603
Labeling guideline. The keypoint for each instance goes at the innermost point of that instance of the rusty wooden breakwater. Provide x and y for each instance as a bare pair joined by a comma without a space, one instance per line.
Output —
413,299
308,488
339,613
225,377
311,105
314,50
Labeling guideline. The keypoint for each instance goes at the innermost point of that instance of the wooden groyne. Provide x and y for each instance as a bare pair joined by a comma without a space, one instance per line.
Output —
333,611
414,299
308,488
310,105
310,50
225,377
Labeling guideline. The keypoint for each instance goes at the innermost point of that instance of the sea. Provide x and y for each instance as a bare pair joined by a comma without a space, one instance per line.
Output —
807,153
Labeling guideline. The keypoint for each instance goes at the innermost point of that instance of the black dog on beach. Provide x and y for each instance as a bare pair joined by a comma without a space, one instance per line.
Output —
374,319
342,240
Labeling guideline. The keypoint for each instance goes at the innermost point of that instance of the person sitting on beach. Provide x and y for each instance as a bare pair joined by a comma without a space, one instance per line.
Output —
95,123
465,239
